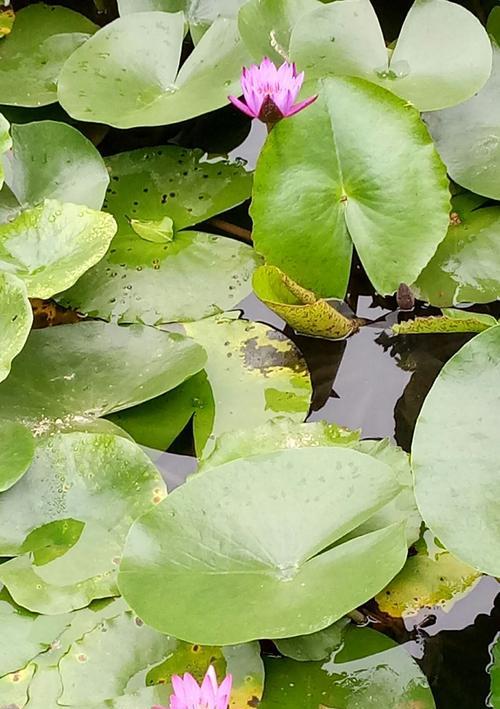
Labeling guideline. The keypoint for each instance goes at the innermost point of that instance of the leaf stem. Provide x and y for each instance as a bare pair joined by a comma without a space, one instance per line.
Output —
234,229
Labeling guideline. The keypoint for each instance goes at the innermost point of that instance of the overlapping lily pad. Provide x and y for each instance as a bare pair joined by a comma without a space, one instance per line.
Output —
71,374
16,318
467,137
32,56
267,528
5,143
345,38
52,160
445,459
193,275
73,509
432,578
51,245
369,670
316,189
136,59
256,375
316,646
17,449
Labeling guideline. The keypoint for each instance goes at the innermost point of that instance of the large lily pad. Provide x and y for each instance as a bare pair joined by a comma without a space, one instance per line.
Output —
51,245
468,137
136,59
32,56
72,374
16,318
370,670
456,442
17,449
55,161
345,38
256,375
273,547
188,278
101,481
331,174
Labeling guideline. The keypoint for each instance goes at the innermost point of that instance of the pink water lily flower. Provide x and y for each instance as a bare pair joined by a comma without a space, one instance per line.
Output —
188,694
270,93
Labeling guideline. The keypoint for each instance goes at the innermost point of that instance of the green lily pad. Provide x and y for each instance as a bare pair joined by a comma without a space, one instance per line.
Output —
345,38
274,548
5,143
432,578
69,546
266,26
32,56
136,60
16,318
17,449
494,671
465,397
299,307
465,267
315,185
369,671
157,423
276,435
51,245
193,276
71,374
14,688
467,137
55,161
256,374
316,646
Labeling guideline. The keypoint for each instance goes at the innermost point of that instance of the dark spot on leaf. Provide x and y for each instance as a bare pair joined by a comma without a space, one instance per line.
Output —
253,702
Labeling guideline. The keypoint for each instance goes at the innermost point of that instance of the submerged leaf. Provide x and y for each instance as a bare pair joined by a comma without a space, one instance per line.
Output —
32,56
370,670
51,245
465,395
316,188
299,307
267,528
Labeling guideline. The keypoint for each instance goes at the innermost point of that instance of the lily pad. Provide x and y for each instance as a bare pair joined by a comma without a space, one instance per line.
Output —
102,481
71,374
14,687
16,318
193,276
17,449
266,26
140,54
452,320
299,307
51,245
274,548
495,675
256,374
316,189
465,267
369,670
5,143
466,397
345,38
32,56
55,161
432,578
467,137
316,646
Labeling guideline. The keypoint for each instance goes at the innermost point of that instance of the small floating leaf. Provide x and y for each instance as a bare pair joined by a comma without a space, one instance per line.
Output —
451,321
159,231
299,307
